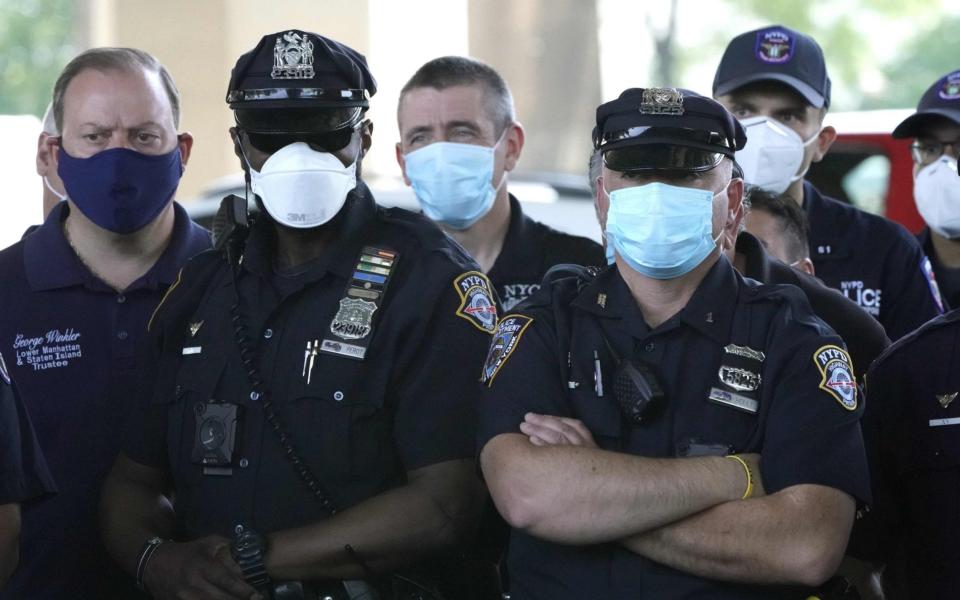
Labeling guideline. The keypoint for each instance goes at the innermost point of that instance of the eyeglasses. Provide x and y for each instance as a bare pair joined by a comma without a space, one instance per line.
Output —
927,151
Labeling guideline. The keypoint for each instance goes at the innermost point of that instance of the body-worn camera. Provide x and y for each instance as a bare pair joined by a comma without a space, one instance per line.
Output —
215,436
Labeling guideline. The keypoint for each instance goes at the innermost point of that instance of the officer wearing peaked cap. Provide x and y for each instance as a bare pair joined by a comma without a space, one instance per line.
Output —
667,428
305,395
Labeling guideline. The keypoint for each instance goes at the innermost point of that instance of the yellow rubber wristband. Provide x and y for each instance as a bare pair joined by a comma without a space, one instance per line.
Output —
746,467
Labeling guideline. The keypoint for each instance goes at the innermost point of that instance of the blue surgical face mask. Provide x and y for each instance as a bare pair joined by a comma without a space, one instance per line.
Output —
118,189
661,231
453,182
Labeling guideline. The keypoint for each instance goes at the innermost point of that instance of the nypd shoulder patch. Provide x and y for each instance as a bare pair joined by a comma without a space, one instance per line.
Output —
836,375
509,331
4,373
477,303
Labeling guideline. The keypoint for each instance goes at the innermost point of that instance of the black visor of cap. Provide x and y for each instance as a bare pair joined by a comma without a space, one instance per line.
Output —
663,148
299,120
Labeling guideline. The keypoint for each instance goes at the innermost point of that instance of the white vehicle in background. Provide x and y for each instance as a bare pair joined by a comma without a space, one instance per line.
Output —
22,204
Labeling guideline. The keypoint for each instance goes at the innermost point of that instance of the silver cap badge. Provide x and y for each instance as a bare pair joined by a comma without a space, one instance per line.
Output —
292,57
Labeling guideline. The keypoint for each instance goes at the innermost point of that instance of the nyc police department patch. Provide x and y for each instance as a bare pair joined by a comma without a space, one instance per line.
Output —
951,87
505,340
836,375
476,300
775,46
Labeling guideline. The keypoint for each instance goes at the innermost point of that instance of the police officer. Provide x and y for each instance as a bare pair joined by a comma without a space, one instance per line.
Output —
774,80
626,414
76,296
914,448
774,237
25,477
312,402
935,128
459,139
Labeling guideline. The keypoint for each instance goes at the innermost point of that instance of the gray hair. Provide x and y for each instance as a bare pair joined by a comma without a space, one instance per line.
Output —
450,71
113,59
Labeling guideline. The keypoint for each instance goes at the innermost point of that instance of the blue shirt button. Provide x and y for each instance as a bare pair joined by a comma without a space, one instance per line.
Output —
121,299
649,347
268,334
121,335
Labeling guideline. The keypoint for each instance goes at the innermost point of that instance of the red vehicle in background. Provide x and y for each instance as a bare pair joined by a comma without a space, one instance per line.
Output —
868,168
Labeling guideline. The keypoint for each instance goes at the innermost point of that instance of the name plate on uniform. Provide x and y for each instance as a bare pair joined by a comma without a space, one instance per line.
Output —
733,400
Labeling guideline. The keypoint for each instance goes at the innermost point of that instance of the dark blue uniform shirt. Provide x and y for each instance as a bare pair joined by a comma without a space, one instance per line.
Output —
872,261
24,475
70,342
529,249
360,425
803,418
912,432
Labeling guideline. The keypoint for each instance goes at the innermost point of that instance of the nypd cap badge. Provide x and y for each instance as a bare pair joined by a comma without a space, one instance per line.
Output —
775,46
476,300
661,101
504,342
292,57
836,375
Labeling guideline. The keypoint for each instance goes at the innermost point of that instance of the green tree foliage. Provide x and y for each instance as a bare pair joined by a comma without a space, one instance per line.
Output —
35,44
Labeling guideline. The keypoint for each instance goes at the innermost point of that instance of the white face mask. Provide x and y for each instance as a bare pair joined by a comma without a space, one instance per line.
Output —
303,188
936,189
773,154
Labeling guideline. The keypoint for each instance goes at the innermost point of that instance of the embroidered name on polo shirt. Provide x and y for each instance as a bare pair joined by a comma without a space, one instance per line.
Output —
352,327
836,375
476,300
53,349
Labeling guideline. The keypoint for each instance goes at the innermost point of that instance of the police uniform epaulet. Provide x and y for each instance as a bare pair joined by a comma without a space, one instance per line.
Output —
935,324
562,283
788,295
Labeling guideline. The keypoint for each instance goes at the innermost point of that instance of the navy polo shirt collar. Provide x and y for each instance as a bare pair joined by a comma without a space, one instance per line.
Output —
710,309
51,263
358,212
517,253
755,258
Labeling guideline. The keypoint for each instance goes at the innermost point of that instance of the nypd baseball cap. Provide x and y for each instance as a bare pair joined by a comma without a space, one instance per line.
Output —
942,99
775,53
652,129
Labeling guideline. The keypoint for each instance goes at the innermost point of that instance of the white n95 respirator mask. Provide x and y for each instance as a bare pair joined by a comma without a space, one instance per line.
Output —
301,187
936,189
773,154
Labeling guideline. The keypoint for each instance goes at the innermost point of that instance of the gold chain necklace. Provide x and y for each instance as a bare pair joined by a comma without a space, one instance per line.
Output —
94,272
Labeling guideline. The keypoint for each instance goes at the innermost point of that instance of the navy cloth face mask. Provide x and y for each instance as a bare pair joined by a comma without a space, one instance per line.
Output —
121,190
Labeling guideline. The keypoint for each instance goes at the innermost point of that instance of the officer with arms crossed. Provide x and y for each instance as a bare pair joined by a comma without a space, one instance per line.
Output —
23,472
668,428
459,139
77,294
310,414
935,128
775,81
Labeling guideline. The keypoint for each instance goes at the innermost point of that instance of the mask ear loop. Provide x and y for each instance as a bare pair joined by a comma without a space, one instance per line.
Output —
806,143
46,182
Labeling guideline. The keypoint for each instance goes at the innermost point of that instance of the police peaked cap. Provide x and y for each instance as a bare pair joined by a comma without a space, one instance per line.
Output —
299,69
669,116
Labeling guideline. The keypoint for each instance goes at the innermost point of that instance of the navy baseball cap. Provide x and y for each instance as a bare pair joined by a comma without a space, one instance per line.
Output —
942,99
300,81
657,129
775,53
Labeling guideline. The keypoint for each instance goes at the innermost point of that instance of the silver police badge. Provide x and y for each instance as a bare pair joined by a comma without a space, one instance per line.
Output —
353,320
661,101
740,380
292,57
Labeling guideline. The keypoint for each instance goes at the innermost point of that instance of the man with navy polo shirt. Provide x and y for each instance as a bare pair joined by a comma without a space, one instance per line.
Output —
667,428
459,140
774,80
24,476
935,128
77,295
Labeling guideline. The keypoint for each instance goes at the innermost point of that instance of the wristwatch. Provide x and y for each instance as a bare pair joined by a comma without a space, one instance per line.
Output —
146,553
248,549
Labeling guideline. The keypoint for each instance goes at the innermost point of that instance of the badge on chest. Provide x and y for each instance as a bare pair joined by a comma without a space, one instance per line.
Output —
739,379
353,325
